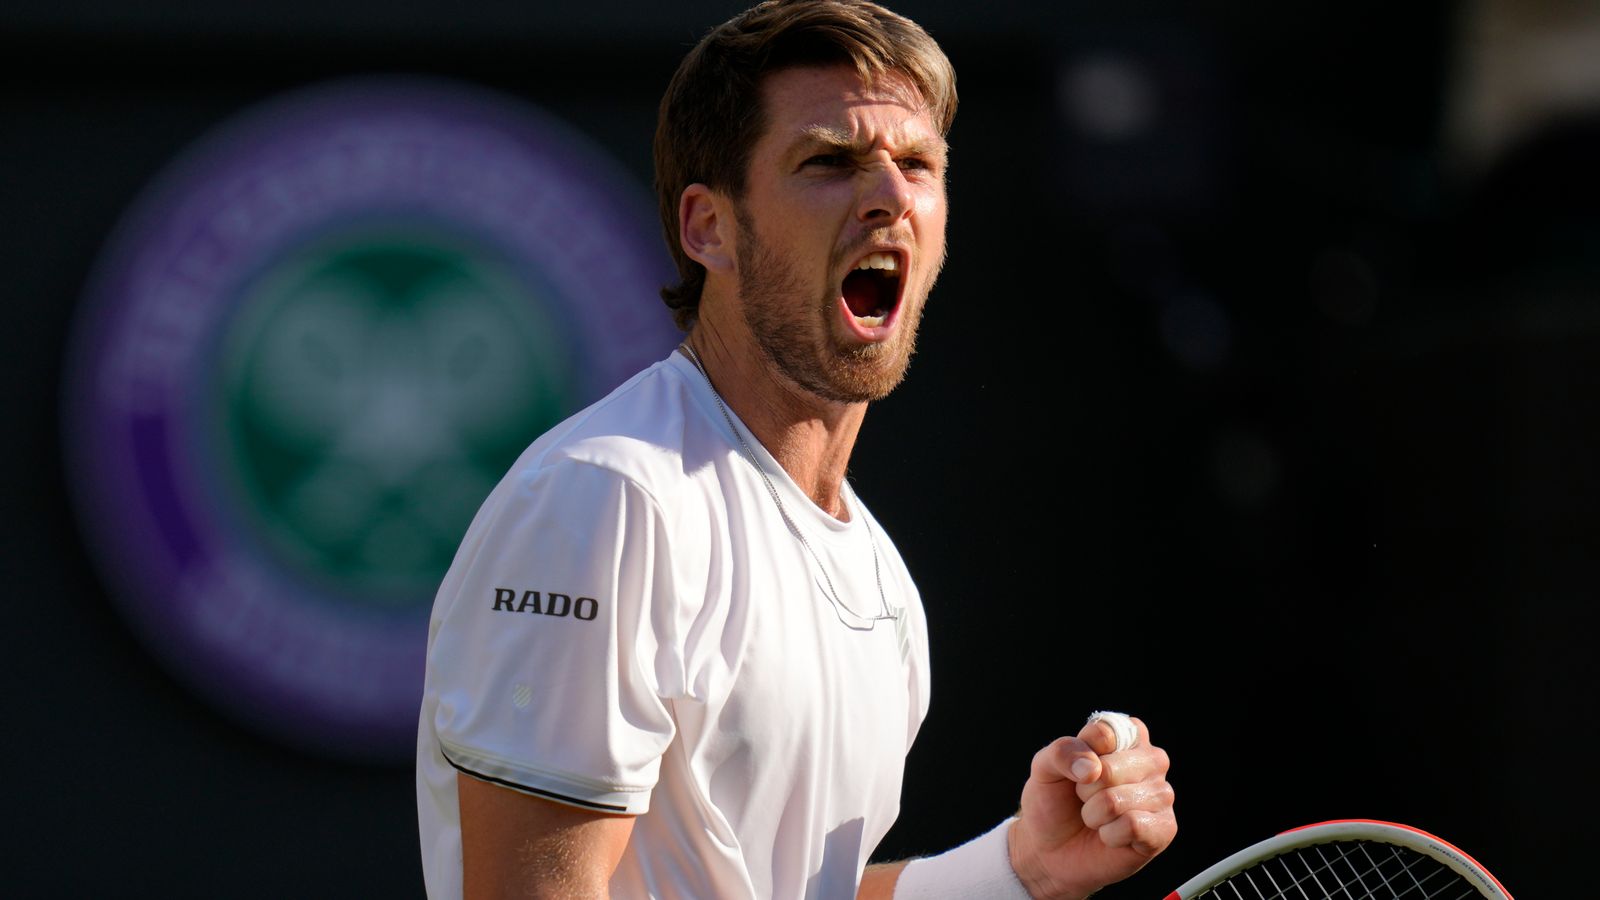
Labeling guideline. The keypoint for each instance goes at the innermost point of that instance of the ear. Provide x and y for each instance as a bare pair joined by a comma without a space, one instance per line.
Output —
706,228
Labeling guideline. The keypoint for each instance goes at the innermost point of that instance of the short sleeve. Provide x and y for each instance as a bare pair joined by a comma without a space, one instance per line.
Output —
546,663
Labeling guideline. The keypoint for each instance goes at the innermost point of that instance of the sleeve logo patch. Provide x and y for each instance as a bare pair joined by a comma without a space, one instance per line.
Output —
548,604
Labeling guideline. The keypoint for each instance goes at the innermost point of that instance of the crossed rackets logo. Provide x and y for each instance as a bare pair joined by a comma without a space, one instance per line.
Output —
374,389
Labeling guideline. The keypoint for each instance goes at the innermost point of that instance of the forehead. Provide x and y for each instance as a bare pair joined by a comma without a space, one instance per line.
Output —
805,102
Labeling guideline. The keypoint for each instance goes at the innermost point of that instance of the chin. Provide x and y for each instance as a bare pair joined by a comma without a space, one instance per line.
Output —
864,374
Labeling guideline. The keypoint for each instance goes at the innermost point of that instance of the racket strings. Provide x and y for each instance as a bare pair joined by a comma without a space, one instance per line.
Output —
1345,870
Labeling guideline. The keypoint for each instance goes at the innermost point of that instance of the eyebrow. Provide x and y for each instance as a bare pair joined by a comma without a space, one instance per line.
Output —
843,141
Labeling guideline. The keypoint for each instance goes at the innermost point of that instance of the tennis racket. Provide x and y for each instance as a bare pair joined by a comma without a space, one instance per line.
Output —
1349,859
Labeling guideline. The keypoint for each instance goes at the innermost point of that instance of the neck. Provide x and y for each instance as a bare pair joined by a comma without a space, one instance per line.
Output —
811,438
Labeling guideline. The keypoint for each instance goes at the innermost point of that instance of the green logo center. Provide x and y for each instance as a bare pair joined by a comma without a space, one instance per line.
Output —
374,386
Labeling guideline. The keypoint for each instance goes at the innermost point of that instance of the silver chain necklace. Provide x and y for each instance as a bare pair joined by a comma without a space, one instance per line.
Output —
840,609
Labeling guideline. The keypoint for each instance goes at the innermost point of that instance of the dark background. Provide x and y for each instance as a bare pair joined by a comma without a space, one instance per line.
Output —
1254,401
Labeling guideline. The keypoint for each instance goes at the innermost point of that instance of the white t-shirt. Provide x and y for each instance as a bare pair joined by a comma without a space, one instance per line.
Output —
630,626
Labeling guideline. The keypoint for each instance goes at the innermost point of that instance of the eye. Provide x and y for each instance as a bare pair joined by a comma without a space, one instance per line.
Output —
827,160
915,164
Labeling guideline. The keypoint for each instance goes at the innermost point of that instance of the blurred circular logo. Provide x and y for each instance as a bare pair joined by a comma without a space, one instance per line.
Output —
309,353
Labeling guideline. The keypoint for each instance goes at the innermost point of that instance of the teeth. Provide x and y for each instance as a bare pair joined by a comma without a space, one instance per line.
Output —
886,261
870,321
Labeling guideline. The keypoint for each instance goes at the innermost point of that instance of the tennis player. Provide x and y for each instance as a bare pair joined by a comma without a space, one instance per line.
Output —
676,656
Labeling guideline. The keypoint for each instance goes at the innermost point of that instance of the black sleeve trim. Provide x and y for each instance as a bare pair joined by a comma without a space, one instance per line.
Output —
563,798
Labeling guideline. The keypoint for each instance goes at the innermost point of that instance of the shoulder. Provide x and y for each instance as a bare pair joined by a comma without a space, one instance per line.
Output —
645,434
593,502
648,451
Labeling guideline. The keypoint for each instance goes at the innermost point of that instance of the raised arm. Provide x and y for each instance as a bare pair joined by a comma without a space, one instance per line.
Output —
518,845
1092,814
1095,809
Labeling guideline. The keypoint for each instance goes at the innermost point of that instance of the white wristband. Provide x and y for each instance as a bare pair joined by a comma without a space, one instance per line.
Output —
980,869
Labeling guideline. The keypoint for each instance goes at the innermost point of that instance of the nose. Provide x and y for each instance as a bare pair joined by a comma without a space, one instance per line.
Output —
886,195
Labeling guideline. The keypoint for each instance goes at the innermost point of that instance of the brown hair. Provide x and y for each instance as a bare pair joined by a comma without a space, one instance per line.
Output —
711,115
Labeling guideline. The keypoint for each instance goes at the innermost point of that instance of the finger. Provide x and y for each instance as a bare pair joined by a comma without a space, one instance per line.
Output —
1128,767
1067,759
1107,805
1146,833
1121,725
1138,764
1102,737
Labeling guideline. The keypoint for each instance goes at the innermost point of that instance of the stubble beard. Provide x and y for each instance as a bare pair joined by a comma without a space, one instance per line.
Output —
796,337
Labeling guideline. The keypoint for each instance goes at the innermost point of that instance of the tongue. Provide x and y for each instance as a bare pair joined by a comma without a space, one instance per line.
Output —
861,293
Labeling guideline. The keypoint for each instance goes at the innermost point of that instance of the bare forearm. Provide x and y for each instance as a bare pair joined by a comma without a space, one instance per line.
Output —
518,845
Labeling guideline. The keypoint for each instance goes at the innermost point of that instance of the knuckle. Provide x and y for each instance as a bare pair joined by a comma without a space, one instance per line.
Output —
1163,761
1155,832
1147,829
1152,825
1115,801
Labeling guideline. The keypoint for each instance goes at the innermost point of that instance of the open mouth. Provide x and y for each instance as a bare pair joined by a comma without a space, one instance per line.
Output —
872,288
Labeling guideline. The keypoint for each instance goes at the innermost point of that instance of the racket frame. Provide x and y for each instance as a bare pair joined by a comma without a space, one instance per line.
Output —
1376,830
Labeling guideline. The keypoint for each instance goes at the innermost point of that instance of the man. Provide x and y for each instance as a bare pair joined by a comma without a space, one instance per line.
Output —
676,656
